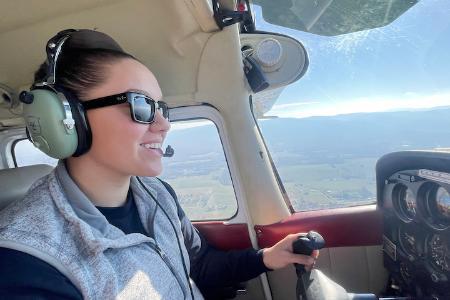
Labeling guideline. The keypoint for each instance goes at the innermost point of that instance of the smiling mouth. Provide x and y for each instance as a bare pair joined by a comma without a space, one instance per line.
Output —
152,145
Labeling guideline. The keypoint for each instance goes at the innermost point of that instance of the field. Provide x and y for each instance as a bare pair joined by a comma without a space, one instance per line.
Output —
324,162
318,186
311,186
205,196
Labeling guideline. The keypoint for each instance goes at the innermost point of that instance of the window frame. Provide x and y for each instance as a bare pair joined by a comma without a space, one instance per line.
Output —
186,113
286,198
13,151
8,139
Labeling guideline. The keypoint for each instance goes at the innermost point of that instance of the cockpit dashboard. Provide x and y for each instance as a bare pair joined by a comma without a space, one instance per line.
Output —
414,197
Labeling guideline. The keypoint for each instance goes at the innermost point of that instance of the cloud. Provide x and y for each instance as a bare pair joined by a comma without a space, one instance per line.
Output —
407,101
292,105
189,124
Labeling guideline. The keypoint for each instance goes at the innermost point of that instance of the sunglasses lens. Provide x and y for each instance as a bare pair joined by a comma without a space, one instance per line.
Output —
144,109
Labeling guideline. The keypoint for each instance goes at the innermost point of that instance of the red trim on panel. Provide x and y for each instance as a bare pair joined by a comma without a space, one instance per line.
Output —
225,236
340,227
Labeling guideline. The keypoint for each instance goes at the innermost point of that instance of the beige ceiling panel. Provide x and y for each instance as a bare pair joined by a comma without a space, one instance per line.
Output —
23,13
162,34
203,12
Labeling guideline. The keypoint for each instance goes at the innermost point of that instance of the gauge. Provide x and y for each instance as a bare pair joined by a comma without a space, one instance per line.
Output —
443,203
406,273
408,240
438,249
436,206
404,202
408,202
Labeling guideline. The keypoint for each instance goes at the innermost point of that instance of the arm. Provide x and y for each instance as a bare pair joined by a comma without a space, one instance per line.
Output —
23,276
212,268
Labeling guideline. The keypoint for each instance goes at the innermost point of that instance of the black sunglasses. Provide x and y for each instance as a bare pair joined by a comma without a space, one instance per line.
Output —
142,108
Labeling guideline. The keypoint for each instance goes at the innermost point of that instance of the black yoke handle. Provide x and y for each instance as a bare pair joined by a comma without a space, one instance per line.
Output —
305,245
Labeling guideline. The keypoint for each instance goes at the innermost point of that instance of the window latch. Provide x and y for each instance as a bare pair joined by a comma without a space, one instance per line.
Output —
243,15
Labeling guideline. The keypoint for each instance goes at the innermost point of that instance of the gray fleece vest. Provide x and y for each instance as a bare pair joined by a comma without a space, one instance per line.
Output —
57,223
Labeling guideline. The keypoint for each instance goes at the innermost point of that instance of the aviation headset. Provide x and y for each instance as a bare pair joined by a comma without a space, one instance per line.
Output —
56,122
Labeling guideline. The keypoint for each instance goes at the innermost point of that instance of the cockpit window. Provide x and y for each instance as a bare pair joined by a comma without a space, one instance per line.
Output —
199,171
366,93
26,154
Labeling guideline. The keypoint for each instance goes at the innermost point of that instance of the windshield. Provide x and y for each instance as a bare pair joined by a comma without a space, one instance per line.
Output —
365,94
402,65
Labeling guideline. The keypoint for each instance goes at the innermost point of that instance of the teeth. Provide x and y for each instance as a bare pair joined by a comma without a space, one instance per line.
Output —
152,146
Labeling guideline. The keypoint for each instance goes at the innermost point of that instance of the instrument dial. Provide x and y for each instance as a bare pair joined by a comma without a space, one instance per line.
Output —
409,203
439,252
408,240
405,203
443,203
405,272
436,207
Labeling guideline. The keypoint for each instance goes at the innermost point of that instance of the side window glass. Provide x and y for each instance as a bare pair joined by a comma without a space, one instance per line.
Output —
199,172
26,154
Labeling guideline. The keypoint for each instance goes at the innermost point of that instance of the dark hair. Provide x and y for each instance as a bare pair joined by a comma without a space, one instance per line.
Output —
79,70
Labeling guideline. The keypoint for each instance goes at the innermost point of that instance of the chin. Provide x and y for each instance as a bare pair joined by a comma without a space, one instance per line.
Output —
151,171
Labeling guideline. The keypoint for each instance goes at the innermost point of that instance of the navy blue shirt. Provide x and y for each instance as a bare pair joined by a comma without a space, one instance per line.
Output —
23,276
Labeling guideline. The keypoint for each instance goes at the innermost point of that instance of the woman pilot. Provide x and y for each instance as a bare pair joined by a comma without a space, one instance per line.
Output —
101,225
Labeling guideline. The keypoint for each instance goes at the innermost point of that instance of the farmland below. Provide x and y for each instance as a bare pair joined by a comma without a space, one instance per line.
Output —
324,162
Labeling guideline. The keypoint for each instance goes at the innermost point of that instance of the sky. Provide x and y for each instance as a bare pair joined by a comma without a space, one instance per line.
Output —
404,65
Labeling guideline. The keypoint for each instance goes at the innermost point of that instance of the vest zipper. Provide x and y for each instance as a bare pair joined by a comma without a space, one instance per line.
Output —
162,254
166,260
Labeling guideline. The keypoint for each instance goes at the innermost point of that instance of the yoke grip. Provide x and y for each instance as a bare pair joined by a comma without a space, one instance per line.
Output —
306,245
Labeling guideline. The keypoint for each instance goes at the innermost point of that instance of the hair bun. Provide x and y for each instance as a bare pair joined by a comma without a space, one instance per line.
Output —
90,39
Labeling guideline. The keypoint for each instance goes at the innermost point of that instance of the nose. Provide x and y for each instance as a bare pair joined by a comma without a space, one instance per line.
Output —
160,123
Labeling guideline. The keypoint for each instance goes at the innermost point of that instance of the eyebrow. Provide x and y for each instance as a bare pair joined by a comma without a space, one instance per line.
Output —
143,93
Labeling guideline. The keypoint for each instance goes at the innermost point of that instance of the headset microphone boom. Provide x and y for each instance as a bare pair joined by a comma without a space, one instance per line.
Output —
169,151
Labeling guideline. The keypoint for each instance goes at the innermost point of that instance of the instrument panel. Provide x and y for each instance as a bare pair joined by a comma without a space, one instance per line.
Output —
421,199
416,239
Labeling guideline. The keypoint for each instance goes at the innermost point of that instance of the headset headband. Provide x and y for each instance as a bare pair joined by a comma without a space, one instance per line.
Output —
79,39
53,49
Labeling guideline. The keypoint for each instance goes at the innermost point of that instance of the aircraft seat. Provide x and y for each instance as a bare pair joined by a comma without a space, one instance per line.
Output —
15,182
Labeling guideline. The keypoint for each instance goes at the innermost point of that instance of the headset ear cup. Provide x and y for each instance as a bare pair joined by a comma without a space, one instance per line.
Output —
81,122
82,126
49,128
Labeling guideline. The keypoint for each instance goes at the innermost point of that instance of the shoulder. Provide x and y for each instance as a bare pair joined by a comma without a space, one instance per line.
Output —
169,188
37,203
34,220
158,186
165,194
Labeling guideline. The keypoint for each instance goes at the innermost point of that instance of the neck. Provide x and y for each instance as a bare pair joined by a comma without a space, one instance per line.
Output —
104,186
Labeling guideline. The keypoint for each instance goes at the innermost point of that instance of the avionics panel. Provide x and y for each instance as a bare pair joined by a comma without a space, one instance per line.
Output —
414,196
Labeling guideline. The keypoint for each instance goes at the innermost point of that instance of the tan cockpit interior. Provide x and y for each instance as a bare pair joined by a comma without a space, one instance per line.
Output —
196,63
